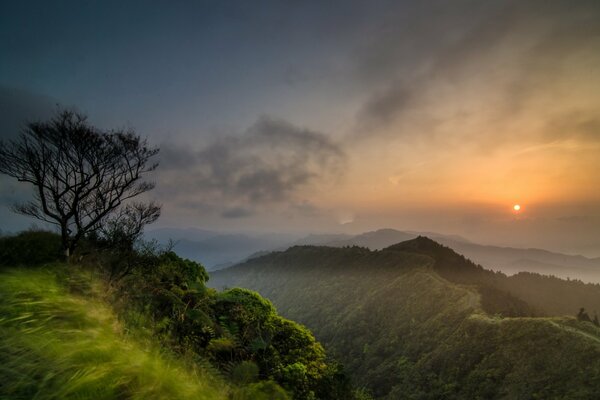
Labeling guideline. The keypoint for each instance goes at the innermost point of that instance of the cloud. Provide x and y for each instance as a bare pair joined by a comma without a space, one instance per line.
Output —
306,209
174,157
384,107
492,64
267,164
581,125
237,212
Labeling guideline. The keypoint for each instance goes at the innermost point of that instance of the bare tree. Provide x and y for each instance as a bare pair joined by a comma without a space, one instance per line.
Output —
126,225
118,241
81,175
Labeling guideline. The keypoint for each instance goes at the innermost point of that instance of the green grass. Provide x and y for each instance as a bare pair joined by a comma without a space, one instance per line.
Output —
58,345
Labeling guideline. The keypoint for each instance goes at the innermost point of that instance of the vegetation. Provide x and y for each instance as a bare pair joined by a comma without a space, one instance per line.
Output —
32,247
159,319
237,330
552,295
83,179
55,345
418,321
415,320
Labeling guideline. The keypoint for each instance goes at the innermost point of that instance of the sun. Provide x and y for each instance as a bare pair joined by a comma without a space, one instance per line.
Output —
517,207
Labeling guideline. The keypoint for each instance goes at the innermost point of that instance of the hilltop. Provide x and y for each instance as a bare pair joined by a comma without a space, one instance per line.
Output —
219,250
509,260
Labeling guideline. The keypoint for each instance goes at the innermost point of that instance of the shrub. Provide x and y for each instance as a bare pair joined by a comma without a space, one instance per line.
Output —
30,248
265,390
245,372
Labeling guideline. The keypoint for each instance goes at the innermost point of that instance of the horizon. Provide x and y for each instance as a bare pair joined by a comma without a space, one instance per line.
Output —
343,117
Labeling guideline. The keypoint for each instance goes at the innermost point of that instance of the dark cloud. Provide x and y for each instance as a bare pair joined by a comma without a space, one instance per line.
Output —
176,157
383,107
264,165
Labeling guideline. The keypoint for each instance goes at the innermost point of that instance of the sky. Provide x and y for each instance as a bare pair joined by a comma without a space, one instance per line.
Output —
337,116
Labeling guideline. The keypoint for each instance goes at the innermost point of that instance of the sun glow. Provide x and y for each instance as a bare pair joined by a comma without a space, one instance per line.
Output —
517,208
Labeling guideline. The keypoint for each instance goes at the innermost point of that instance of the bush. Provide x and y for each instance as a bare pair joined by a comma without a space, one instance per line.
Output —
245,373
265,390
30,248
238,330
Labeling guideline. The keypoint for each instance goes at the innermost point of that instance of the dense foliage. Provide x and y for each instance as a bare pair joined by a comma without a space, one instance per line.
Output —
238,330
56,345
161,298
552,295
28,248
410,322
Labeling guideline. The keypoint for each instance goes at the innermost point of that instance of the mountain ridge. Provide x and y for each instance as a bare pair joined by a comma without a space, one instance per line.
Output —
219,250
404,330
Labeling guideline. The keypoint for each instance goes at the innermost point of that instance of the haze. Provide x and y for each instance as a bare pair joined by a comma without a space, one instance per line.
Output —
333,116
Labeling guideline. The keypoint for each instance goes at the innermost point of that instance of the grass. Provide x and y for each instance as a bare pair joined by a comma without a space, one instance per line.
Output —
58,345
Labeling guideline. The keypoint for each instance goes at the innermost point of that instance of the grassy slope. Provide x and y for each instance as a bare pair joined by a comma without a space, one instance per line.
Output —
405,332
54,344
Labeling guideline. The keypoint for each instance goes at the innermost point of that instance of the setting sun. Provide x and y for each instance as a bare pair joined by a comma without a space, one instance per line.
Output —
517,207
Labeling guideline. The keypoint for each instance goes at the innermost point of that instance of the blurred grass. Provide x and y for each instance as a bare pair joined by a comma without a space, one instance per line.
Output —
55,344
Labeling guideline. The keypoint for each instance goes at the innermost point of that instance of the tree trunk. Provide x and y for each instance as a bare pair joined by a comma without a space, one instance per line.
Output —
65,242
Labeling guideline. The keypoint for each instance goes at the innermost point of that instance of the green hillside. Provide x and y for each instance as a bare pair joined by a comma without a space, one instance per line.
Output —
152,329
57,345
418,321
523,294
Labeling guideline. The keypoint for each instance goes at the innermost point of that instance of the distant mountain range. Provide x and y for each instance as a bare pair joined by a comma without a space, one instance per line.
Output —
417,320
509,260
218,250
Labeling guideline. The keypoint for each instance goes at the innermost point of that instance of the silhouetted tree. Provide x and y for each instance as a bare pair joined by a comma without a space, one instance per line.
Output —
595,321
82,176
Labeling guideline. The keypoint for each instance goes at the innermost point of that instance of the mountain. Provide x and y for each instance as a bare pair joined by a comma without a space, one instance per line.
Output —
322,239
163,235
418,320
506,259
220,250
513,260
374,240
381,238
217,250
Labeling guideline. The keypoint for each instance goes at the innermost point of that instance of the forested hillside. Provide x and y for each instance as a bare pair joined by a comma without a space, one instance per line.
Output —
417,320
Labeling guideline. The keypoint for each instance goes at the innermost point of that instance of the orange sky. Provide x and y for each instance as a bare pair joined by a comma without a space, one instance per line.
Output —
343,117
